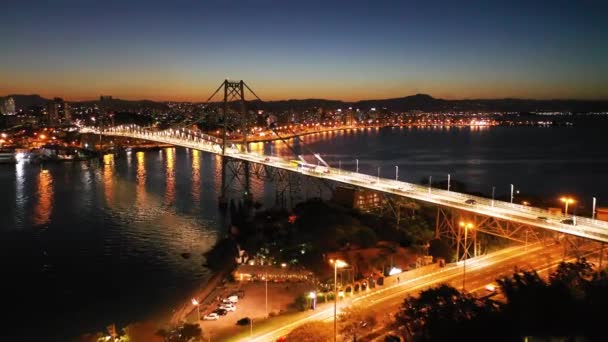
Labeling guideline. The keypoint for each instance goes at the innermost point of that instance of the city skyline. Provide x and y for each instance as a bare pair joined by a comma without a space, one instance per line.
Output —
343,51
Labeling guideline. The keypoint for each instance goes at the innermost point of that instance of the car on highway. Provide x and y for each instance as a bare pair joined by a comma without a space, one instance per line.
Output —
543,218
211,317
567,221
470,201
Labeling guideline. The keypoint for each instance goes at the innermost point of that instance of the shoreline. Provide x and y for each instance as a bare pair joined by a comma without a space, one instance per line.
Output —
201,294
343,128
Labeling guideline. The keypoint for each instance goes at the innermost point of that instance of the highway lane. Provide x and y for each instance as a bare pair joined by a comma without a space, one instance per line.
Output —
480,271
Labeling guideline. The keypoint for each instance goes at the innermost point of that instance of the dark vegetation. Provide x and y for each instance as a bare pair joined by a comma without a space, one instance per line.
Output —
315,227
569,306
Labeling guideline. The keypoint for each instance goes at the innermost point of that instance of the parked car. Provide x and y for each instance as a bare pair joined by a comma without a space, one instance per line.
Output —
221,312
228,307
470,201
567,221
244,321
232,298
211,317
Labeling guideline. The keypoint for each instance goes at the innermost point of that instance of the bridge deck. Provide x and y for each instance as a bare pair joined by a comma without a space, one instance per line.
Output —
585,227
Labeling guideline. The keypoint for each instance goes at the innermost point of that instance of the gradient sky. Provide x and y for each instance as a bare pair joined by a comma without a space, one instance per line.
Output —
350,50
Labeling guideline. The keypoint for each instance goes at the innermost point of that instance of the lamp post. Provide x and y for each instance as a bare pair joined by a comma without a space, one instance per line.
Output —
378,174
593,209
396,172
337,264
339,167
357,169
512,188
566,200
266,292
466,226
449,182
198,308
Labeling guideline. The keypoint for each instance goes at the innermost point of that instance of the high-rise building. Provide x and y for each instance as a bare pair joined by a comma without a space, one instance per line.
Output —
58,111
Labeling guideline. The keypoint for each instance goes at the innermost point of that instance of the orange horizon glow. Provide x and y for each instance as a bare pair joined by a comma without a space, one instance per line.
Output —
274,90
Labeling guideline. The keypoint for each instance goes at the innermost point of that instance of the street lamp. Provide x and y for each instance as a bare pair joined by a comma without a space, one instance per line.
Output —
466,226
266,292
567,200
512,188
378,174
337,264
449,178
198,308
357,170
396,172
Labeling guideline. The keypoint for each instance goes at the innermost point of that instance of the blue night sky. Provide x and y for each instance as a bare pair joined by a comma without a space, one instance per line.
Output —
181,50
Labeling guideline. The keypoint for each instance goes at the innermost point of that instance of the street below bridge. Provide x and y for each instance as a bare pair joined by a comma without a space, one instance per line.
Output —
385,301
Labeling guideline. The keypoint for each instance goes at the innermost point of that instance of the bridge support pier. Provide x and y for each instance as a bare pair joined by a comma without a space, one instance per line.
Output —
450,224
235,170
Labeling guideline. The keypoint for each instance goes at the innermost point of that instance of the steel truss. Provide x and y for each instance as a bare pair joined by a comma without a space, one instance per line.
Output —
288,184
450,222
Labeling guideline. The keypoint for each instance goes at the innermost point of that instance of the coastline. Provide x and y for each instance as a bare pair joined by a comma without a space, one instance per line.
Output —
273,137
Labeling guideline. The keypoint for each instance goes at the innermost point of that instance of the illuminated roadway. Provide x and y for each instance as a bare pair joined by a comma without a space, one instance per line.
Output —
585,227
480,271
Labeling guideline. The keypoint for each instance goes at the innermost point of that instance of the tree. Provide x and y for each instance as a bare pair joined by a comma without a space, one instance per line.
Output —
301,302
315,331
439,314
355,321
572,276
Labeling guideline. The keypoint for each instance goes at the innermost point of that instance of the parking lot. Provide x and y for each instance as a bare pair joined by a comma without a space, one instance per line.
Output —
253,305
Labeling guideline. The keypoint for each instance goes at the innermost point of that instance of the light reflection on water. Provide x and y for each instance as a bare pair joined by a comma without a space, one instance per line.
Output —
115,228
44,196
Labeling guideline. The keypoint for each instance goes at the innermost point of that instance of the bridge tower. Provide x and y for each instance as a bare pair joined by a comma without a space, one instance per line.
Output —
236,121
234,114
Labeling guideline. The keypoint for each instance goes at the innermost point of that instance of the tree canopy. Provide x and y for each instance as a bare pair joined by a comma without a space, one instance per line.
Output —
315,331
569,305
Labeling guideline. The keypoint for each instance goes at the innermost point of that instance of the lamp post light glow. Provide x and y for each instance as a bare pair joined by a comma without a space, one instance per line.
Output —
198,308
337,264
466,226
566,200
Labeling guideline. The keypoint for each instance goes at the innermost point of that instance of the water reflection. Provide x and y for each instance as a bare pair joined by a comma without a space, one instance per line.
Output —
44,204
170,175
108,177
140,191
196,177
20,197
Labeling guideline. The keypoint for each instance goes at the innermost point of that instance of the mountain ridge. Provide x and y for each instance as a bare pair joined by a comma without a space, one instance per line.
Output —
423,102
